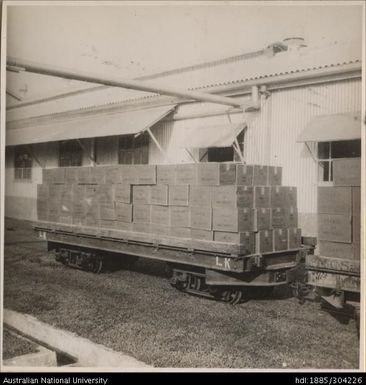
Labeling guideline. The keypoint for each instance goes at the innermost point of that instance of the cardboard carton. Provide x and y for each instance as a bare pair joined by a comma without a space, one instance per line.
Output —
186,173
165,174
160,215
179,216
274,176
260,175
280,239
123,193
233,196
178,195
200,196
335,227
141,195
347,172
205,235
334,200
123,212
200,218
159,194
141,213
264,241
244,175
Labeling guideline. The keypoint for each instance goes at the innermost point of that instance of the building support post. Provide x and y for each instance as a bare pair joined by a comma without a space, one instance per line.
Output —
191,155
237,149
88,153
311,152
92,152
158,144
34,156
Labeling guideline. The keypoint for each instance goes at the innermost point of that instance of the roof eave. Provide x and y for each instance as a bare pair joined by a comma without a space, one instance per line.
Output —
322,75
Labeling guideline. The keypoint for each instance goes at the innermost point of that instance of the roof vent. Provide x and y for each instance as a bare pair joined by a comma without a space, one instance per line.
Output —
294,44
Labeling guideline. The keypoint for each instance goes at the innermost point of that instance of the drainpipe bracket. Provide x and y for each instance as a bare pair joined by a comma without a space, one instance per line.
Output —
252,107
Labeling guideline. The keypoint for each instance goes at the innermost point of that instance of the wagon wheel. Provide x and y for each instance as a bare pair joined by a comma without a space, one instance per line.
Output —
97,264
230,295
226,295
62,256
195,282
295,289
58,257
299,291
236,296
184,285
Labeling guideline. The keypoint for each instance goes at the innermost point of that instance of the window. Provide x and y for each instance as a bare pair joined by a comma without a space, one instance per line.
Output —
22,163
327,151
133,150
222,154
70,154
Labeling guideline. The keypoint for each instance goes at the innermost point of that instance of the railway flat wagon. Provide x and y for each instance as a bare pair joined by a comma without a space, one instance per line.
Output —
335,272
224,229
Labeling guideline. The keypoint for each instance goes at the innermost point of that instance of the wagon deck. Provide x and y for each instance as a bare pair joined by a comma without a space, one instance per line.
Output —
211,255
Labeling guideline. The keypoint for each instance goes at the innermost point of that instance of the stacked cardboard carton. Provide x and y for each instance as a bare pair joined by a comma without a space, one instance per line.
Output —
215,202
339,209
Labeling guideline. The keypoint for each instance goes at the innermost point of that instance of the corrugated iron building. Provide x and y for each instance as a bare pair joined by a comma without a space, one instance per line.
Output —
296,85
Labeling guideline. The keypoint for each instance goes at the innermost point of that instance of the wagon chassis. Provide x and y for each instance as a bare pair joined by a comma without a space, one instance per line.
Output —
222,275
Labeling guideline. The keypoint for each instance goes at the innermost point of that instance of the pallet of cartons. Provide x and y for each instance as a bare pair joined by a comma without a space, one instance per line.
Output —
211,202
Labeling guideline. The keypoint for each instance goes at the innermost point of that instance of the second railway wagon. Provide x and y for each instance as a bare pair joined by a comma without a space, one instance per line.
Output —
335,272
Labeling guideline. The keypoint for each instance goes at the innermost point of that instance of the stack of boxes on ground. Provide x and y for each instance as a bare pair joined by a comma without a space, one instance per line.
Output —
227,203
339,208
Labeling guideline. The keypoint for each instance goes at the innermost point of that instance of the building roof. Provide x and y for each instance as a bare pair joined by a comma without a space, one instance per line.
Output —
332,127
237,71
122,123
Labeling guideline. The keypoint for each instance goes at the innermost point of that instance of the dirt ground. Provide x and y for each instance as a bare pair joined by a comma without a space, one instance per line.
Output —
137,312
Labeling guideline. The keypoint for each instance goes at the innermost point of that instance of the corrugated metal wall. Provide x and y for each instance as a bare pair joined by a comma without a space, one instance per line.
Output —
257,141
272,134
106,150
291,111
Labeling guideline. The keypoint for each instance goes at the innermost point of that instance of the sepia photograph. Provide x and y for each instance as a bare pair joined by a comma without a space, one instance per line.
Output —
182,186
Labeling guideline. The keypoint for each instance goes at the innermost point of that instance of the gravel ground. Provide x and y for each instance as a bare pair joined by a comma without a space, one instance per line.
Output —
137,312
